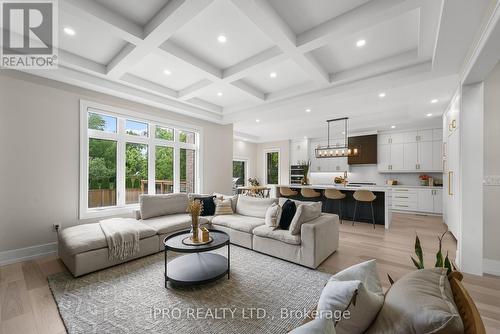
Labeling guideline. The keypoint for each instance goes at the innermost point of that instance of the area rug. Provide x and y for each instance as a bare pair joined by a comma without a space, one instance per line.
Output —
263,295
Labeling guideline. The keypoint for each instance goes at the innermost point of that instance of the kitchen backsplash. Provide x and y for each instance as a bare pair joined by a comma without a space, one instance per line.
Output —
370,174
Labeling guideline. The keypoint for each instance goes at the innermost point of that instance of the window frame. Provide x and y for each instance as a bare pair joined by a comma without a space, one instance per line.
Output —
121,139
272,150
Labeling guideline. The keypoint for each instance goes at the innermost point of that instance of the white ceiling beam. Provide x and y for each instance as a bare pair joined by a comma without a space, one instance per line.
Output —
269,57
147,85
206,105
96,13
363,17
106,86
266,19
191,91
170,19
171,49
251,91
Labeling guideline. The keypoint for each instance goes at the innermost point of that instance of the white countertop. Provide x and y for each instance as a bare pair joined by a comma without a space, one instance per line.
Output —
381,188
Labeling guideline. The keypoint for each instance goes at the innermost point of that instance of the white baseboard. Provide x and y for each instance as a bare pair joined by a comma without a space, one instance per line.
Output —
28,253
491,267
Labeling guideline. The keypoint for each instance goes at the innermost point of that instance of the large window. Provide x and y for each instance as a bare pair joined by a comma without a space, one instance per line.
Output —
124,156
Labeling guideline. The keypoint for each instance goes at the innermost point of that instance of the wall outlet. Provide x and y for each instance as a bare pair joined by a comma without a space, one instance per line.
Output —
56,227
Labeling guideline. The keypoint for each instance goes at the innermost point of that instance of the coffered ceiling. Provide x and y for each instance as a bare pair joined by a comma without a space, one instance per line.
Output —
236,61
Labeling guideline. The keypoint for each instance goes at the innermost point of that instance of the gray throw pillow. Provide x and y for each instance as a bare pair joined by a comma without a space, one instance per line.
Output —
419,302
305,213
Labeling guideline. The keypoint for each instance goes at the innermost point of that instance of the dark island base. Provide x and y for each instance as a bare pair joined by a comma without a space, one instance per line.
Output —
363,212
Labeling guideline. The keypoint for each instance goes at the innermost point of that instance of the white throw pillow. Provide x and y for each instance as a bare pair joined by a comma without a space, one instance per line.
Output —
273,214
357,290
316,326
233,198
305,213
223,207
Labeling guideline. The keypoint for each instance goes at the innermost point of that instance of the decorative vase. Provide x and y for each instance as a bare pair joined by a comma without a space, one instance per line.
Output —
305,180
194,228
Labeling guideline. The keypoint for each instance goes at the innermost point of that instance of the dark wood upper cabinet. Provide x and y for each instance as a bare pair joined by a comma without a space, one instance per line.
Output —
367,148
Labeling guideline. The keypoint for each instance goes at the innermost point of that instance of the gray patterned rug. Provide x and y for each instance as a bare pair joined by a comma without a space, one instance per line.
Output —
264,295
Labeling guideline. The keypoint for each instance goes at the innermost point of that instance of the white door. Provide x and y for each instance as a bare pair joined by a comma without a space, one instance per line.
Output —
397,157
425,156
437,155
438,200
384,157
410,156
425,200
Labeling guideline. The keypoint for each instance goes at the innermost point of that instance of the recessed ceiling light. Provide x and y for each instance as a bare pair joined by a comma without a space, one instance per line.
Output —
381,95
393,126
273,74
69,31
435,101
429,115
167,72
360,43
308,110
219,94
222,38
257,120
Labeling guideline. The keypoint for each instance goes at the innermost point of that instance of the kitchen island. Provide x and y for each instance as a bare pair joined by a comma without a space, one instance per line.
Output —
381,206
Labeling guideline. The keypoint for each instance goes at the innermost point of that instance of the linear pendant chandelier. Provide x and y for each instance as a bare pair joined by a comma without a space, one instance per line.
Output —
340,149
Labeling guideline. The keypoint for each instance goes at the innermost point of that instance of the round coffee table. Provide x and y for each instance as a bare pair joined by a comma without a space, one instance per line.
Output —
198,267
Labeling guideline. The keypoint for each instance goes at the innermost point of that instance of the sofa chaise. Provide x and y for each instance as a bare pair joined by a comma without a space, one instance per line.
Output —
83,248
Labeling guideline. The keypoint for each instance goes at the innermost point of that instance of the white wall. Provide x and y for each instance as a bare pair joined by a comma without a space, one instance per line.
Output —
39,155
284,148
245,150
491,193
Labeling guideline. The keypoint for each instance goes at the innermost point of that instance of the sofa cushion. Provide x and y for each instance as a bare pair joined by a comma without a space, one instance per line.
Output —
208,208
86,237
273,214
223,207
305,213
419,302
233,198
252,206
238,222
172,223
161,205
356,290
277,234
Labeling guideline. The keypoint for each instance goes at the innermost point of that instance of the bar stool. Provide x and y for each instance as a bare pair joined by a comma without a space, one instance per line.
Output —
309,193
336,194
287,192
364,196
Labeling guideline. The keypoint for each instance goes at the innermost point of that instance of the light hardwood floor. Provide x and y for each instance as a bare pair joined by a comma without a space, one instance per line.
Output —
27,306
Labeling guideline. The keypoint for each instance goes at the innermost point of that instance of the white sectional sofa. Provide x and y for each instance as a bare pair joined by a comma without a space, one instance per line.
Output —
83,248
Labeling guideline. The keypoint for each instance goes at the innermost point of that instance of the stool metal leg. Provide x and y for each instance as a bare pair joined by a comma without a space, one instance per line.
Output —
354,216
373,216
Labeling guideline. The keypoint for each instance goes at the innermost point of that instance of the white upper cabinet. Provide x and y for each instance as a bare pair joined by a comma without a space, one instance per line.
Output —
410,151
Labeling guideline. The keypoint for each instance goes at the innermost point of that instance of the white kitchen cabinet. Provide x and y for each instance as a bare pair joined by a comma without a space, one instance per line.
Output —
426,200
437,155
438,201
425,156
410,156
410,151
397,156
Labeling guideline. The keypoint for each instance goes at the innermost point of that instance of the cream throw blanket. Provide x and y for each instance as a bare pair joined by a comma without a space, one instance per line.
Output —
122,237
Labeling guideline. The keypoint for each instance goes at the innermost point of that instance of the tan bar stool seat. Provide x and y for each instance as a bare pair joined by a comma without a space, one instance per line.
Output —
309,193
336,194
364,196
287,192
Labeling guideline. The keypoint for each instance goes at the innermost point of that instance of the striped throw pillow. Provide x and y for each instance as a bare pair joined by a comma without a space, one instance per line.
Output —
223,207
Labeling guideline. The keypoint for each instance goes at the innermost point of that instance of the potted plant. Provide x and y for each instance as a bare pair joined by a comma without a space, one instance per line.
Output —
424,180
305,171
